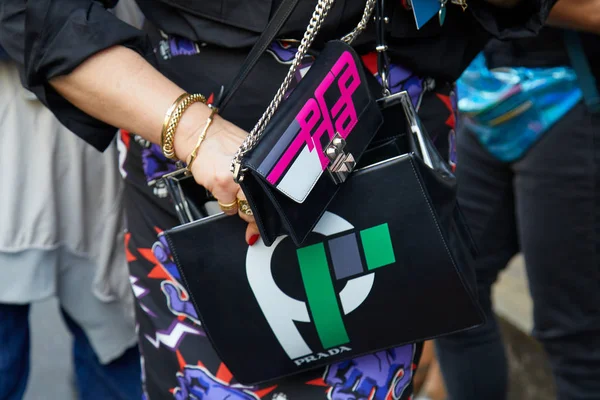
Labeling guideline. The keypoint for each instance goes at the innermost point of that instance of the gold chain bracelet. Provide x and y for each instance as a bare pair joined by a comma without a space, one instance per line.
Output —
209,121
462,3
168,115
172,118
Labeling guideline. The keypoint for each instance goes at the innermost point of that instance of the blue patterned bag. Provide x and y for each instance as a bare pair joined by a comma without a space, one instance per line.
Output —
509,109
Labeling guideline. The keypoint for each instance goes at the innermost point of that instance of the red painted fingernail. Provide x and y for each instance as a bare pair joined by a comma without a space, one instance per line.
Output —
253,239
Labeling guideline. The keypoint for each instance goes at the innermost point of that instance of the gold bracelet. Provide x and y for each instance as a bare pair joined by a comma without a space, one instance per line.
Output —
209,121
172,118
168,115
462,3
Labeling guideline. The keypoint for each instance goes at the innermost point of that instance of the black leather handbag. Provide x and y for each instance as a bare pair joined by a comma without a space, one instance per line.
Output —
368,251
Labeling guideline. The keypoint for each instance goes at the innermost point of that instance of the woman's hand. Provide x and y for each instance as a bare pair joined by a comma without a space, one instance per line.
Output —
212,166
120,88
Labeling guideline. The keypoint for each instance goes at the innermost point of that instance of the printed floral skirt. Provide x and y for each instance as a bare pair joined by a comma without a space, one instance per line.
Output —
177,358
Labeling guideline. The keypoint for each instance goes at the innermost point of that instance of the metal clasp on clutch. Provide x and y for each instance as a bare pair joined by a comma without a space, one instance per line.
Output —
342,163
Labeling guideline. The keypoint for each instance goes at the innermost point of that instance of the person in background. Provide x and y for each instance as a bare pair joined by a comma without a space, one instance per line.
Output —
61,234
528,180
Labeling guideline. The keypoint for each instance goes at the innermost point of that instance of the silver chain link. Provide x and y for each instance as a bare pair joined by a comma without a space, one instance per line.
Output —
316,20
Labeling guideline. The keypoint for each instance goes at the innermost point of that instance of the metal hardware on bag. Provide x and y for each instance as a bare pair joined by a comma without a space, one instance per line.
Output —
314,25
415,126
237,169
381,48
385,19
462,3
171,181
386,86
180,172
410,113
342,163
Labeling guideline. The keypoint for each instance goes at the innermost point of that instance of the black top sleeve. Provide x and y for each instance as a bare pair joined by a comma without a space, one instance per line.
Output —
12,29
526,19
51,38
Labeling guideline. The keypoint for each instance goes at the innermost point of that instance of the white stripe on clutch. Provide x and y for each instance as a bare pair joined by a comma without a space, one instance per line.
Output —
301,176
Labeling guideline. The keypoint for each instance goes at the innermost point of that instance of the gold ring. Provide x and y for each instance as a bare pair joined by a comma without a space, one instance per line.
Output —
244,207
228,207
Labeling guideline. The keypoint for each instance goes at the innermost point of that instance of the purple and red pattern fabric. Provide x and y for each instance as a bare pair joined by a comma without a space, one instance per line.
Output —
178,359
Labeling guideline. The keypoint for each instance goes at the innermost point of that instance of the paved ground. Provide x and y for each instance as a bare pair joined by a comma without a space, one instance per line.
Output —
530,377
511,295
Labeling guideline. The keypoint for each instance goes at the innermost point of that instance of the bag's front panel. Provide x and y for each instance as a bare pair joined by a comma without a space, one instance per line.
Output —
375,273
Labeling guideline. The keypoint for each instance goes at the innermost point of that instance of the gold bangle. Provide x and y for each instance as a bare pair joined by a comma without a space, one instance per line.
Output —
168,115
209,121
172,119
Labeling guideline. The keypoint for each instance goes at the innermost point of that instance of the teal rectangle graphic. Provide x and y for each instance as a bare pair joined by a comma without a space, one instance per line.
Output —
322,300
377,245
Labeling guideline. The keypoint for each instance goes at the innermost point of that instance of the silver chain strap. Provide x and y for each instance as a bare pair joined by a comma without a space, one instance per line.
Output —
318,16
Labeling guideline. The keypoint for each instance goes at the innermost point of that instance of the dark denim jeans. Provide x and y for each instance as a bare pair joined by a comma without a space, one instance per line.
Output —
547,205
119,380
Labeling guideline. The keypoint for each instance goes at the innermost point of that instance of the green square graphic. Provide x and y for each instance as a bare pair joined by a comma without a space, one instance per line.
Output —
377,245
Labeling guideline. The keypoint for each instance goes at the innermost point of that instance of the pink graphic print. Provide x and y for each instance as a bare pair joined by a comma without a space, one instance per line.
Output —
315,118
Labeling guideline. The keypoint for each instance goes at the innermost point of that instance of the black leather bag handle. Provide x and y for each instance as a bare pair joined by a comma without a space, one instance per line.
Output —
273,27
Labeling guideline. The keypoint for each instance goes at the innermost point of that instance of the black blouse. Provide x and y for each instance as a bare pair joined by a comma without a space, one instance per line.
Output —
52,37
